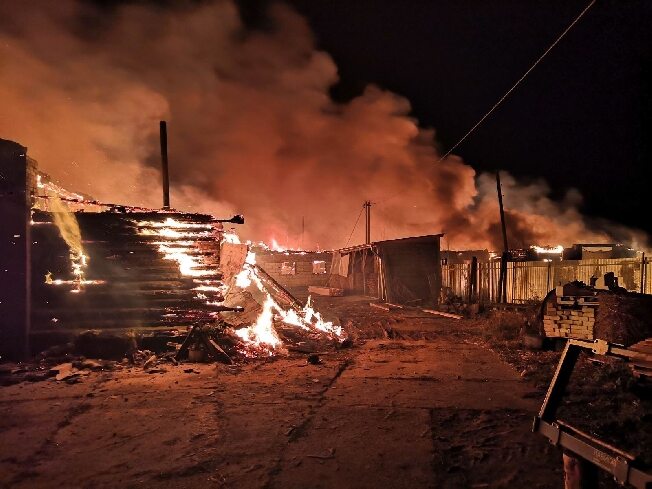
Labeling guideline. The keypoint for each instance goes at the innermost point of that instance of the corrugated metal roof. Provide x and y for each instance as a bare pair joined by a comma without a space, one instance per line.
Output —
414,239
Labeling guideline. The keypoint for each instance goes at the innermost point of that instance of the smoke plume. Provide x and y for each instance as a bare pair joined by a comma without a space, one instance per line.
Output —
252,129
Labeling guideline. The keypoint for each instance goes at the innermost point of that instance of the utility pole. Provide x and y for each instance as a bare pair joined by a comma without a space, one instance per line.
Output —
164,164
502,212
367,208
303,230
502,281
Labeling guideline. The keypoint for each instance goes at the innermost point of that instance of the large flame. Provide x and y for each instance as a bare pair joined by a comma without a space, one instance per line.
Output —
261,335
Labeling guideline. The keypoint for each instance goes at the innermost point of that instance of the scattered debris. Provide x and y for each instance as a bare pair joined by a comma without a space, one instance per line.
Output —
330,454
149,362
200,339
63,371
159,370
378,305
106,345
67,372
314,359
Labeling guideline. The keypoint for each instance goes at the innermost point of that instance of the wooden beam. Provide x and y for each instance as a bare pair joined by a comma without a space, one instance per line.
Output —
441,313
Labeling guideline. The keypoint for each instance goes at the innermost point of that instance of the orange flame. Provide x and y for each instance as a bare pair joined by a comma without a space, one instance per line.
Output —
261,334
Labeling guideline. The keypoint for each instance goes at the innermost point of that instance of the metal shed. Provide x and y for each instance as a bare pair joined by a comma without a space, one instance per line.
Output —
401,270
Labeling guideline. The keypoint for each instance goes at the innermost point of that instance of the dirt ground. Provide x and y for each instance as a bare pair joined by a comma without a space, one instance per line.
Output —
417,401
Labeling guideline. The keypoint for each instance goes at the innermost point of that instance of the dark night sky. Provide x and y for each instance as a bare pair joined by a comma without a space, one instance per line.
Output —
581,119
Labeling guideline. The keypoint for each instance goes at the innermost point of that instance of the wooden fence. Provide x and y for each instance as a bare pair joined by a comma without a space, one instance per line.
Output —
531,281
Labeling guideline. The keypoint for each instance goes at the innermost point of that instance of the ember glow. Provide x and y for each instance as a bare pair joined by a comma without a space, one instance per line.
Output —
188,265
182,252
50,189
179,242
170,223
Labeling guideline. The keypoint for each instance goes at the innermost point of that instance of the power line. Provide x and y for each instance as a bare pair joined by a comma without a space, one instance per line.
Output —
354,226
495,106
328,279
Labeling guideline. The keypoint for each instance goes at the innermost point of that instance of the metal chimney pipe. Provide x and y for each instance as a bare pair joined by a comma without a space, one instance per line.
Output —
164,165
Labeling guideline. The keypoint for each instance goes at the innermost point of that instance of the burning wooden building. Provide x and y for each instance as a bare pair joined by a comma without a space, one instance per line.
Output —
72,264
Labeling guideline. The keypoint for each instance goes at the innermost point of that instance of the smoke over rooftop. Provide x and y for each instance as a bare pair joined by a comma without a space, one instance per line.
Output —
252,129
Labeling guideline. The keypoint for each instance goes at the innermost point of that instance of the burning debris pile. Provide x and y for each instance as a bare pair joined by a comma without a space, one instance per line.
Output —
273,318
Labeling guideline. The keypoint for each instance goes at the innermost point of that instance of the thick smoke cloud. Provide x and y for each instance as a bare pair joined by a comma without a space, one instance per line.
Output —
252,129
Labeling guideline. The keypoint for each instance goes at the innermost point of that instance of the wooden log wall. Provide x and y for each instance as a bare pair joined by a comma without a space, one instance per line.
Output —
134,277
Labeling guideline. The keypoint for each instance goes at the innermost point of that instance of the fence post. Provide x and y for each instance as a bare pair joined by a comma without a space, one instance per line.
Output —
514,264
502,280
474,279
548,278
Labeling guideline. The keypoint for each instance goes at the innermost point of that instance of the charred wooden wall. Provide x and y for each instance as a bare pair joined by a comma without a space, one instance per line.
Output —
130,281
15,177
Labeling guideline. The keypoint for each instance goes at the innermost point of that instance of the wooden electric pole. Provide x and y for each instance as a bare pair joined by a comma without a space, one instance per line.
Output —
502,212
367,209
502,281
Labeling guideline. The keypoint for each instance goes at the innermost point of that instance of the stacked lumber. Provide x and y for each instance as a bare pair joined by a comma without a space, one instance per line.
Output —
570,313
581,312
567,322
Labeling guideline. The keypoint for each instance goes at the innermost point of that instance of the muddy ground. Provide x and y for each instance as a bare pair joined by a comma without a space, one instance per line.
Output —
418,401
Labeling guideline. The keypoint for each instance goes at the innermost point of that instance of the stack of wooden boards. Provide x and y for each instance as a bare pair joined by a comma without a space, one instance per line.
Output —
570,313
617,316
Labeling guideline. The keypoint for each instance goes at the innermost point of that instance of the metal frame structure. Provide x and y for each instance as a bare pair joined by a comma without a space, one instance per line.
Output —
625,467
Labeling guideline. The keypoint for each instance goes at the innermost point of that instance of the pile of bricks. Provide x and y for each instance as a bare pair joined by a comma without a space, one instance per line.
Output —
570,314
